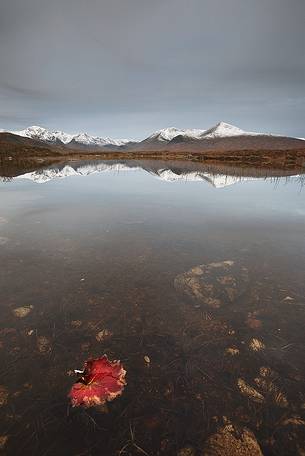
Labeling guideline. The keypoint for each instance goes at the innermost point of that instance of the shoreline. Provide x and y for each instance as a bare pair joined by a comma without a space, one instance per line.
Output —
278,162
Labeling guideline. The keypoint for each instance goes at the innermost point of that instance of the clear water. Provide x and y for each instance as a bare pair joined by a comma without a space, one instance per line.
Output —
101,251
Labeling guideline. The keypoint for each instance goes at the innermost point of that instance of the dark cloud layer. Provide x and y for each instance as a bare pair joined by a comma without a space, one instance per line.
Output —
127,67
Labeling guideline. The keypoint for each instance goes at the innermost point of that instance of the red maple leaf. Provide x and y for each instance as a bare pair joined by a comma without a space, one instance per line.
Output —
102,380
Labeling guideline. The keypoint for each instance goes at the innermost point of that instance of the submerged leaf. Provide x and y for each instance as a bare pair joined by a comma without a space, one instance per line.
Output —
102,381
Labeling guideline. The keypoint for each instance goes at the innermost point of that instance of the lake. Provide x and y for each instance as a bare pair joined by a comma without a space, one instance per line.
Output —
191,275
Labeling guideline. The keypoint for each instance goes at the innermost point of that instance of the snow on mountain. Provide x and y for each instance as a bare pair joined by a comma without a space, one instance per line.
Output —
220,130
84,138
167,134
224,130
53,136
42,134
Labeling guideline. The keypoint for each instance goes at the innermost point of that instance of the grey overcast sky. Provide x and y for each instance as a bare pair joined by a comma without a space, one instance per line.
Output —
124,68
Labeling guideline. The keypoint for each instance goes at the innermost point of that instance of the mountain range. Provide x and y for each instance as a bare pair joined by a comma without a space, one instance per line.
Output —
60,137
220,137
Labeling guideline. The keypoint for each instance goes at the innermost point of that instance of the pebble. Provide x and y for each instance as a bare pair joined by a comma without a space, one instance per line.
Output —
102,335
21,312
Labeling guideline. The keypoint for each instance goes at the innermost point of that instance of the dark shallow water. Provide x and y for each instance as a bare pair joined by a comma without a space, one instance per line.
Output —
106,249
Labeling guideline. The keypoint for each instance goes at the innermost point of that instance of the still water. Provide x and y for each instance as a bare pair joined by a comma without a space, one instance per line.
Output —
195,275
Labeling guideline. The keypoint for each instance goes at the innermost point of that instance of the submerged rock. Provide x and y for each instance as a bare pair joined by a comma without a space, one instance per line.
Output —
229,441
214,284
21,312
147,359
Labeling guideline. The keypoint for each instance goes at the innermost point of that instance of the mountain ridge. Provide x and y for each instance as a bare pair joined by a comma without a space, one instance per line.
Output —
165,135
221,138
61,137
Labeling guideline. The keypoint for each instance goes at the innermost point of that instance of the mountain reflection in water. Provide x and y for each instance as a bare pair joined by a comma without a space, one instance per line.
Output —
217,175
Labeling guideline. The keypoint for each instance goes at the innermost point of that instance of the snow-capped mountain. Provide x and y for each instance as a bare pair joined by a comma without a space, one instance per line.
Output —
42,134
84,138
55,136
222,136
167,134
223,130
220,130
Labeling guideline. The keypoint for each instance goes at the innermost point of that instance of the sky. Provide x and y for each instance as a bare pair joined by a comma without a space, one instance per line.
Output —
125,68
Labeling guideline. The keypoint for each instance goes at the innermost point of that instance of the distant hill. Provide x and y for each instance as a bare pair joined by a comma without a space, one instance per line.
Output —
14,144
222,139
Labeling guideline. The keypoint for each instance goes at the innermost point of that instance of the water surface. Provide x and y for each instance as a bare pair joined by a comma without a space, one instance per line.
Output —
103,245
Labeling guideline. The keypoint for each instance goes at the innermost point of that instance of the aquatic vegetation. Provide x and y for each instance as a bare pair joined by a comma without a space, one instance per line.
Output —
76,323
186,451
3,441
253,322
3,395
214,284
249,391
271,390
43,344
101,381
256,345
232,351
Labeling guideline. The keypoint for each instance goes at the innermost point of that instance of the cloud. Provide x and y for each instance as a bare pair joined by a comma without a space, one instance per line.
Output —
124,67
